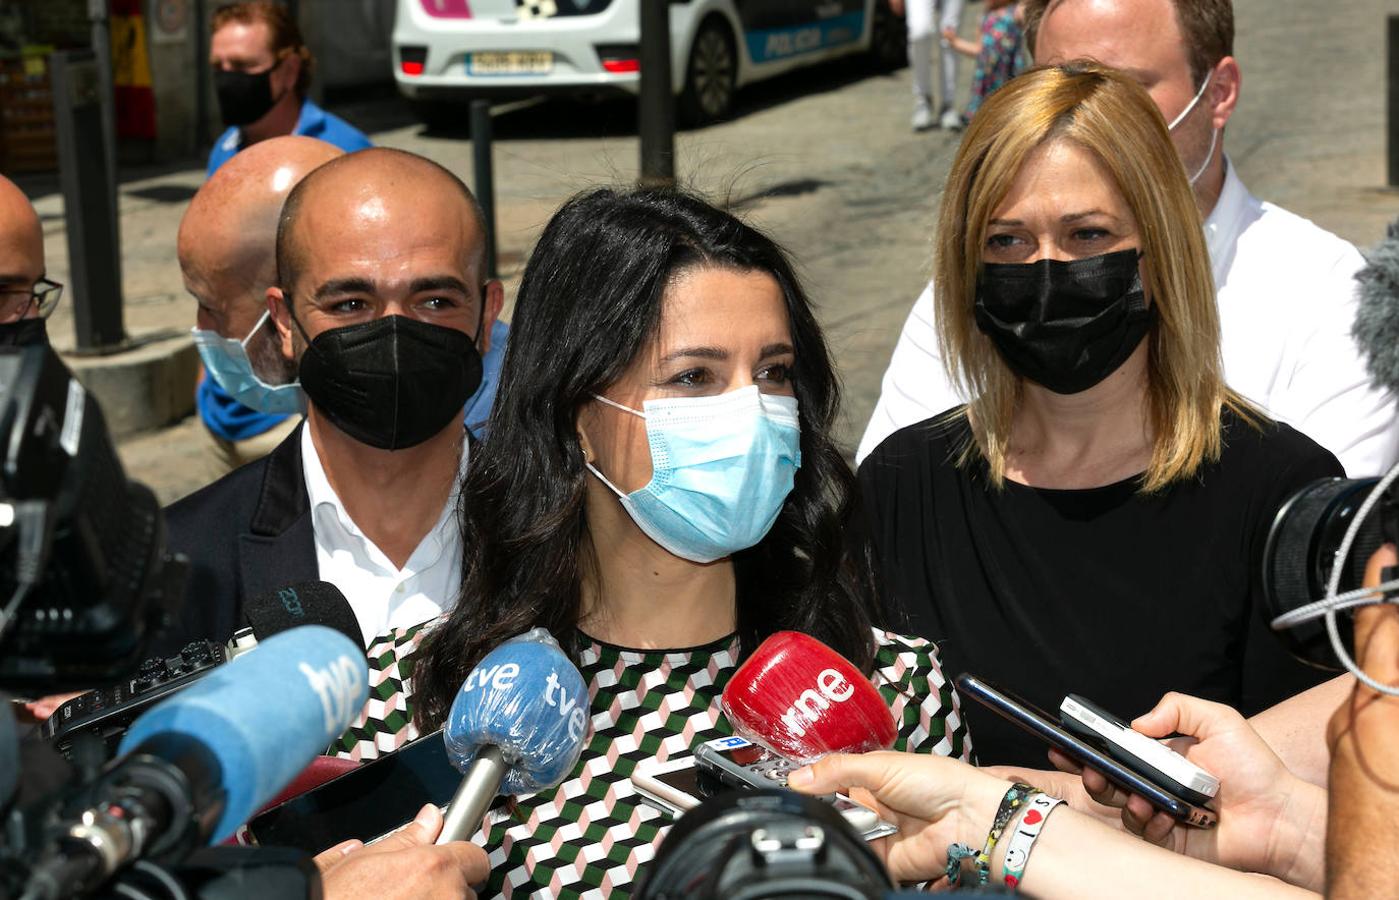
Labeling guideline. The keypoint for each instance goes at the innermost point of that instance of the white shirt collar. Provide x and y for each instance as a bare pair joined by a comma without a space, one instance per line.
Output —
1226,221
326,507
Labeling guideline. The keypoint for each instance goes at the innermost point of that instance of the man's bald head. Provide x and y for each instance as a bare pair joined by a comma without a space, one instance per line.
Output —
380,192
227,241
21,240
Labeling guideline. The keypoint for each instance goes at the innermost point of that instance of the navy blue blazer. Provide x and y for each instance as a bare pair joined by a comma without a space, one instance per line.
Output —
244,535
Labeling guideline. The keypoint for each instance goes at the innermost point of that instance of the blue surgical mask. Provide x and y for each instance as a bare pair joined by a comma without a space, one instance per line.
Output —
226,361
721,468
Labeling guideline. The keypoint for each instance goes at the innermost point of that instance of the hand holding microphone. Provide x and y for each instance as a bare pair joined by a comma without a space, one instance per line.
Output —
802,700
517,726
404,864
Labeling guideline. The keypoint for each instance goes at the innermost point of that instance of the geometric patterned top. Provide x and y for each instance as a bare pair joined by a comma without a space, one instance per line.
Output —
589,836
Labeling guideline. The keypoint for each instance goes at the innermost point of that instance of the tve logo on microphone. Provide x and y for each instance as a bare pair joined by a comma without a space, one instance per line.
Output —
337,687
806,710
528,700
501,677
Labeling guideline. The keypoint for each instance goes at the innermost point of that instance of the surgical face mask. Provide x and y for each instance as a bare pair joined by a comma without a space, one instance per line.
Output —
244,97
721,468
1214,132
1064,325
226,361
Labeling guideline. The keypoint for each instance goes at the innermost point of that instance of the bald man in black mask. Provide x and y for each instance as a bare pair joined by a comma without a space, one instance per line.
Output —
384,308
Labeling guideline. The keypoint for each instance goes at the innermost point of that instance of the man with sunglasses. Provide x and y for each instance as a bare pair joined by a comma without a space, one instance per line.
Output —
27,296
262,70
383,307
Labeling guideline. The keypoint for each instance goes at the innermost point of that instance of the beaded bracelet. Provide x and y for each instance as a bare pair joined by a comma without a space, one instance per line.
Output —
1022,839
1013,800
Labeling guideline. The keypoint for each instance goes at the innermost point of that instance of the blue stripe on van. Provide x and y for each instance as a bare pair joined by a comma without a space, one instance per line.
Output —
779,43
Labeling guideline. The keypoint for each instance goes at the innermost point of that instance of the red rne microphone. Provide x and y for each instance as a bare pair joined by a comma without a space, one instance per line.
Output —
802,700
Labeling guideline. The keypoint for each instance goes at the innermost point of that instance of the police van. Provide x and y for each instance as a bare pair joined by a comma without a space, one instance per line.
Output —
450,50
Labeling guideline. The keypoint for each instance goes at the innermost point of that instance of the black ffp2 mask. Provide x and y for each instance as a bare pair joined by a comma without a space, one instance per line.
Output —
1065,325
24,332
244,97
392,382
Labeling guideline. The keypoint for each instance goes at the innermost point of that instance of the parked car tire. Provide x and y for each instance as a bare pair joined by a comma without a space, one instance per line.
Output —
711,75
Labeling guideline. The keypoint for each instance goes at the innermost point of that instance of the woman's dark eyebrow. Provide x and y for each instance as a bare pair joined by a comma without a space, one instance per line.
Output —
776,350
699,352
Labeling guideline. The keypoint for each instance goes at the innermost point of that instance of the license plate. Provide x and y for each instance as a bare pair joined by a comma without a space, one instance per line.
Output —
538,62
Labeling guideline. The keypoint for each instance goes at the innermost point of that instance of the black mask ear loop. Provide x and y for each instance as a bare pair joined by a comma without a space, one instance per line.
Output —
481,317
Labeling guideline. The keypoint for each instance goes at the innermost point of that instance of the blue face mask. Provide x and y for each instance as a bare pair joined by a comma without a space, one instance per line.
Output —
226,361
721,468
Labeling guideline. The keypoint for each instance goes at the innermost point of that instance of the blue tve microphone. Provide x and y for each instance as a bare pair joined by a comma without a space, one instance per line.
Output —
517,726
196,766
265,715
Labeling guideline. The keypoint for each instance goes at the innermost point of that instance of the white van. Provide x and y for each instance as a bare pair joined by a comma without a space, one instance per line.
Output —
449,50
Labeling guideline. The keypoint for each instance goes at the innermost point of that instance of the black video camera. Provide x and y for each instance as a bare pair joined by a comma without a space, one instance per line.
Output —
84,577
1301,557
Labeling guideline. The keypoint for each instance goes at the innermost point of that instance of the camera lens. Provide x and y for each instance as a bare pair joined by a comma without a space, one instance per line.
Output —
747,845
1301,552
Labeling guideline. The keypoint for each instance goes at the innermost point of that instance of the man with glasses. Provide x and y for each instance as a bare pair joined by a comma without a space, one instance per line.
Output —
384,308
27,297
262,69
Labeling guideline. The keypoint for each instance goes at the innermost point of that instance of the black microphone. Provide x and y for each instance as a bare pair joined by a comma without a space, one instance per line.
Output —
109,711
306,603
1376,328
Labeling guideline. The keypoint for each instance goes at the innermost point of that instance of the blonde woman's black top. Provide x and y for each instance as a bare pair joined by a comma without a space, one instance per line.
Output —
1103,592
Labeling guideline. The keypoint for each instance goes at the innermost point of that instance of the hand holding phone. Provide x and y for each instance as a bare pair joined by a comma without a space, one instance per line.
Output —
1262,805
1126,770
1162,765
730,763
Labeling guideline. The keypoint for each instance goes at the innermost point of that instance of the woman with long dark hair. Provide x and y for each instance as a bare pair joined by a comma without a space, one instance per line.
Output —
659,490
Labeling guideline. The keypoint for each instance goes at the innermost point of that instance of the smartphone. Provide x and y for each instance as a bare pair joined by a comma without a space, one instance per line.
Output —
726,764
368,803
1162,765
1134,776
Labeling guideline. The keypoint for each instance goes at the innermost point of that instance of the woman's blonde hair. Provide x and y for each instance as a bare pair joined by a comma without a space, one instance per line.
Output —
1111,116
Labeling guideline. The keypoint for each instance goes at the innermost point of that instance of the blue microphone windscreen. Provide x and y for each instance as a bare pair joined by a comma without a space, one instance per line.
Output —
266,714
527,699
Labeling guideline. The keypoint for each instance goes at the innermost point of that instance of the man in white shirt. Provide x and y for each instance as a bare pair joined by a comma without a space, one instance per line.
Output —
1285,288
384,307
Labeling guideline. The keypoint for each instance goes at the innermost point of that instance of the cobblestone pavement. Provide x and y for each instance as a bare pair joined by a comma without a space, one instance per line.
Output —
825,161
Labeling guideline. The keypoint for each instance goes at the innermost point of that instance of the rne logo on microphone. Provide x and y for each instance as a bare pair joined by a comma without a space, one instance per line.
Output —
833,688
336,688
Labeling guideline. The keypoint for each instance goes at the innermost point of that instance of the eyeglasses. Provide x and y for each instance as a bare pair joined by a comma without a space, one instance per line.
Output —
15,304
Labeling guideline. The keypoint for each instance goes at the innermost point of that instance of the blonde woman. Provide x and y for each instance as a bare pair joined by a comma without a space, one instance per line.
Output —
1092,521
